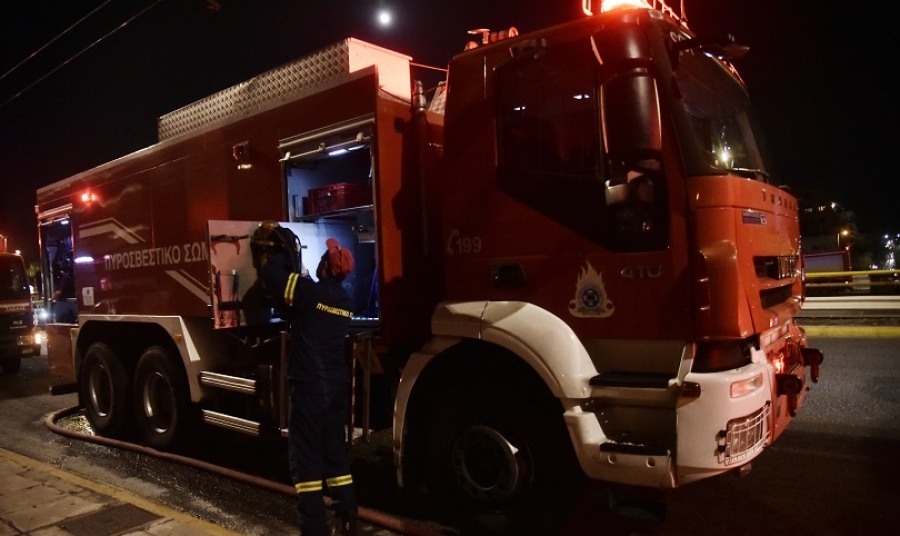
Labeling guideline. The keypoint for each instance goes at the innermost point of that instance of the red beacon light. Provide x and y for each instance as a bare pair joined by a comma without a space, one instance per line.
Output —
612,5
88,197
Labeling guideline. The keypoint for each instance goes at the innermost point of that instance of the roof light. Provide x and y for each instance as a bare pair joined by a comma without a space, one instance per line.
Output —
610,5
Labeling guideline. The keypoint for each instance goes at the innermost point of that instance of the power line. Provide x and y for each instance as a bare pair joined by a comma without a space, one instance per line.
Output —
92,45
67,30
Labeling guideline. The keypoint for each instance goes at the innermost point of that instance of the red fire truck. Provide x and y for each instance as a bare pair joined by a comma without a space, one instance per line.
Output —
569,261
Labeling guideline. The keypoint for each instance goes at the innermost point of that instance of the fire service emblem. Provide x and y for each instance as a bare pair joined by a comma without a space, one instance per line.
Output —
591,300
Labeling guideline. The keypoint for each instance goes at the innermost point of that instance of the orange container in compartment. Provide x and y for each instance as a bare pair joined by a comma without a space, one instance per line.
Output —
339,196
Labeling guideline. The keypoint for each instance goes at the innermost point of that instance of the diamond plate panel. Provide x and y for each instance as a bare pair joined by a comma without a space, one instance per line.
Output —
277,85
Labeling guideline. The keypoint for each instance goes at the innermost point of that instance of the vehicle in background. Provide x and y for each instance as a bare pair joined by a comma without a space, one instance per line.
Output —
19,334
832,272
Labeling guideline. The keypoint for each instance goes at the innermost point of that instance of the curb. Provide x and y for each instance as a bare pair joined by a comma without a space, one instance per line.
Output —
116,493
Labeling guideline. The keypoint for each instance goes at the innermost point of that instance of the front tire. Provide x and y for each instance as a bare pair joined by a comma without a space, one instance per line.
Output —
501,452
161,400
104,391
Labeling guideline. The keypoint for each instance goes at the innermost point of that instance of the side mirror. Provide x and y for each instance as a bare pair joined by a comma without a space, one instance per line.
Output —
632,130
629,100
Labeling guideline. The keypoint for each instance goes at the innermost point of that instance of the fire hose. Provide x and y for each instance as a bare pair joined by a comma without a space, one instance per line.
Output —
370,516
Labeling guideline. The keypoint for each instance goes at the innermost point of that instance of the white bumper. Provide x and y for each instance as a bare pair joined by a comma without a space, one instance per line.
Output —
715,432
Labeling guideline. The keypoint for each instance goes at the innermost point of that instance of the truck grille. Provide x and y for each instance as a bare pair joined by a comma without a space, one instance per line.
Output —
16,322
743,437
782,267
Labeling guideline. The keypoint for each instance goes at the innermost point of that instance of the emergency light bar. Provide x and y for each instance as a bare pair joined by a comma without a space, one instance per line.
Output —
612,5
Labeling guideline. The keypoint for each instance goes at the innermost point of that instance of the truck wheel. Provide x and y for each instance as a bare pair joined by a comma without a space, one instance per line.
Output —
11,365
501,451
104,391
162,403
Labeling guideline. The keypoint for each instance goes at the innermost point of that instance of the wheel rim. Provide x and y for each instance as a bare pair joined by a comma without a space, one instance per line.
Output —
486,465
100,390
157,401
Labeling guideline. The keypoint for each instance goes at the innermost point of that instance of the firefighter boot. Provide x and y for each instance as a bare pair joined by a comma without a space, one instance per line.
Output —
345,522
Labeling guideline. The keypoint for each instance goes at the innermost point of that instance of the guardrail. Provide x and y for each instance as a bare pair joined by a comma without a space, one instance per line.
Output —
856,281
873,304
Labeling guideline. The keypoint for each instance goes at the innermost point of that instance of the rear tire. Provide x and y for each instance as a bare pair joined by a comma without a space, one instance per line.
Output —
11,365
161,400
104,391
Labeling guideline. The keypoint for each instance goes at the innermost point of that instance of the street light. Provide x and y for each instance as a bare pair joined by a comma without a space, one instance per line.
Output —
842,232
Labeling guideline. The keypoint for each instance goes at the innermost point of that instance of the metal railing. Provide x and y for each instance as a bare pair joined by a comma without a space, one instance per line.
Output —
856,282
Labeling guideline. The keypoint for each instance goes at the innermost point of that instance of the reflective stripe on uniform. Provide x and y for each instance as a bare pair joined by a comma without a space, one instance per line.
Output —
344,480
306,487
289,289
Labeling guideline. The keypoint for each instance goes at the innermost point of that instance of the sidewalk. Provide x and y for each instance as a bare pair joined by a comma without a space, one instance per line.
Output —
37,499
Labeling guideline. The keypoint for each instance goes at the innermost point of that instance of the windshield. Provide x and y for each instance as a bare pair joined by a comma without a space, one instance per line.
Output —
13,280
720,114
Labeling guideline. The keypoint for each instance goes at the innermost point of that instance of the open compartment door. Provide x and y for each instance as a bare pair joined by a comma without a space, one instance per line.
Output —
238,298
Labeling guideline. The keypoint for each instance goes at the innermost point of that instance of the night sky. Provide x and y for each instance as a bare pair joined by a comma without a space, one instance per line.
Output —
819,74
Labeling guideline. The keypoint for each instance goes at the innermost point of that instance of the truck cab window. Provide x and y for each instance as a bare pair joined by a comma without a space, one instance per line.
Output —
549,151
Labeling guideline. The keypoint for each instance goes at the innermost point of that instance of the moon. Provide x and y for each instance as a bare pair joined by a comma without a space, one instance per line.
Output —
385,18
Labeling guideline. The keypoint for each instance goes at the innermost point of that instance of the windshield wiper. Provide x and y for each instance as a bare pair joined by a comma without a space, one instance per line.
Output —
756,174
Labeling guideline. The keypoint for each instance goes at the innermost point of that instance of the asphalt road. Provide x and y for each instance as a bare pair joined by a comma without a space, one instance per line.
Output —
833,472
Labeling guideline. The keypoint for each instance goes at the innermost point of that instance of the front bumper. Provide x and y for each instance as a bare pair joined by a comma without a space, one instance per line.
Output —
722,420
718,432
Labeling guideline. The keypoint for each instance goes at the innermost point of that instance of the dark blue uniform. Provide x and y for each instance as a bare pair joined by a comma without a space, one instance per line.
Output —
320,377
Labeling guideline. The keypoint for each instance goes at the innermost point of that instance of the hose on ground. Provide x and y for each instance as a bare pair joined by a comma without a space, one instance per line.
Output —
400,526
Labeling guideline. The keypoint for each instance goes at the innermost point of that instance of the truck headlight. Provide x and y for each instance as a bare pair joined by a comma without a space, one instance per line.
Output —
33,339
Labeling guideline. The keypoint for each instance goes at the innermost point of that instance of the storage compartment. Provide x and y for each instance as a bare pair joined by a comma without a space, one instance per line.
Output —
329,178
339,196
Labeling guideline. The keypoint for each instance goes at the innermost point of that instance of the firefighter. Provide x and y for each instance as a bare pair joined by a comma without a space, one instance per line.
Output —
319,374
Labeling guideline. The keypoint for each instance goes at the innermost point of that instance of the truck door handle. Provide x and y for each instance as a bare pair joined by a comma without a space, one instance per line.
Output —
507,274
